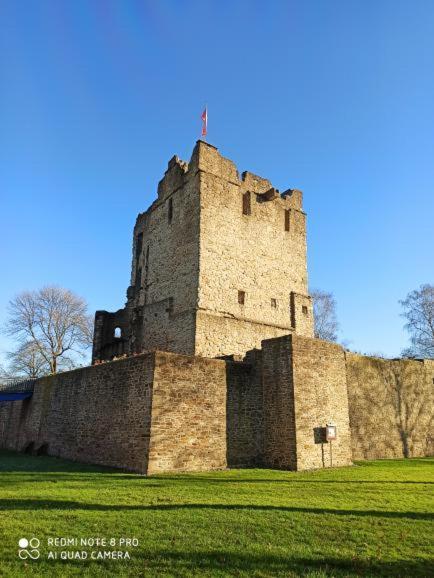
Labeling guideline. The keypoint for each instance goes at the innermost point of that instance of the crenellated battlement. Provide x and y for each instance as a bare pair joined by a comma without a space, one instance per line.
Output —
207,159
218,263
173,177
219,271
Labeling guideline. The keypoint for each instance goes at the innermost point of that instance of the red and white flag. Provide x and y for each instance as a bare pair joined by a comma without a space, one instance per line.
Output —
204,118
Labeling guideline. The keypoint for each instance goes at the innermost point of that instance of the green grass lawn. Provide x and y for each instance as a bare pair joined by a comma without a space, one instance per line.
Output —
373,519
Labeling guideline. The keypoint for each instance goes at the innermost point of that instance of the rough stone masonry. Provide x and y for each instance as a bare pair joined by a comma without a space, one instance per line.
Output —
212,362
219,263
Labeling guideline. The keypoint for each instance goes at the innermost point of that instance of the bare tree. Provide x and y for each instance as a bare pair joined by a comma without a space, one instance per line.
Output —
51,323
410,397
419,312
3,373
392,398
324,312
27,360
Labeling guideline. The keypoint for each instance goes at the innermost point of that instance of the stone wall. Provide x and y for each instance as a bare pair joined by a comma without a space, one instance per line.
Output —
391,407
219,335
168,330
98,414
159,412
148,413
206,413
162,296
165,264
279,446
258,248
106,344
304,390
196,248
188,425
320,398
244,415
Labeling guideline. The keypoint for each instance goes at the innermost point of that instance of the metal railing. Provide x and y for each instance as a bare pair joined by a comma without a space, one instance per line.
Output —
16,384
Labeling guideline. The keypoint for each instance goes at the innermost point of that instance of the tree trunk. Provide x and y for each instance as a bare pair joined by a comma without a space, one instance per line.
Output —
405,446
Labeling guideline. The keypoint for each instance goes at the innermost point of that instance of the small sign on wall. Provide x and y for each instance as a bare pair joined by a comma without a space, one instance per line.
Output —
330,432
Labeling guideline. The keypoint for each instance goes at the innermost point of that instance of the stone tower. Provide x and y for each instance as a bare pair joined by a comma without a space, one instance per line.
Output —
219,264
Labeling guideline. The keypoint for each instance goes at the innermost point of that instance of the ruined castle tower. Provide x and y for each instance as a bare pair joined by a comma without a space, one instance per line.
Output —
219,264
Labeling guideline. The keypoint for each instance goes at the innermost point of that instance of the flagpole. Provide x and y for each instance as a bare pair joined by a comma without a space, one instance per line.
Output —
204,118
206,121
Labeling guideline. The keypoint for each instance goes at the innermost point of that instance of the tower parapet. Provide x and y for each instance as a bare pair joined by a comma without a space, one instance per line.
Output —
218,264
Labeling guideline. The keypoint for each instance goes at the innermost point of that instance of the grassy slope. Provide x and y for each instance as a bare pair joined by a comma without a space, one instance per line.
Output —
371,520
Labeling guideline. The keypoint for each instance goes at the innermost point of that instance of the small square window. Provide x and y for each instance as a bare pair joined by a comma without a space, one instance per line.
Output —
273,303
304,309
241,297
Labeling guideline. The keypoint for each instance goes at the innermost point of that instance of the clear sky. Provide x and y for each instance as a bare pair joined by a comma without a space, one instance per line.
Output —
332,97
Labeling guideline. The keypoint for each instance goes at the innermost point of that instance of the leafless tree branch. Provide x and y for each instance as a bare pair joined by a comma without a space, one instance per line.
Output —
324,311
48,324
418,311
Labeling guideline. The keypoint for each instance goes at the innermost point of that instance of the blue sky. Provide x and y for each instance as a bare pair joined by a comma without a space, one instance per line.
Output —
333,97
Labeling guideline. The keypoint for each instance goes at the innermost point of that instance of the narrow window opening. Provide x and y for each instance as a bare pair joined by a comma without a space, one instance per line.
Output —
247,210
118,332
241,297
304,309
292,308
139,245
170,210
146,280
287,219
273,303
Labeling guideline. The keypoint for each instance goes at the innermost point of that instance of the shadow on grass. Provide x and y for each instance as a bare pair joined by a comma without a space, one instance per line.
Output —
206,479
78,479
11,504
227,562
19,463
158,481
272,565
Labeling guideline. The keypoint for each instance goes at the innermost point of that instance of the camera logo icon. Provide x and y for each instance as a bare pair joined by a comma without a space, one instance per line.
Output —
29,548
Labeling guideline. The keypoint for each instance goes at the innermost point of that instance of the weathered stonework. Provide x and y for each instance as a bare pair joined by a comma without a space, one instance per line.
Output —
97,414
391,406
163,411
188,422
148,413
304,390
209,236
219,270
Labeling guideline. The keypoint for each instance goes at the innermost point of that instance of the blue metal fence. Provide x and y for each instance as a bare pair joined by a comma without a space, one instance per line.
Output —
15,388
